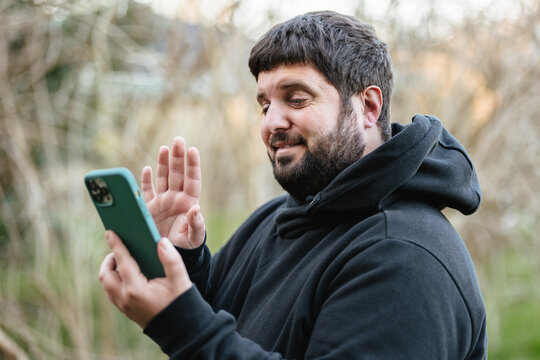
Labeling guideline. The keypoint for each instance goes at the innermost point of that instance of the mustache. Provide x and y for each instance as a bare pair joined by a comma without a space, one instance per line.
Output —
286,137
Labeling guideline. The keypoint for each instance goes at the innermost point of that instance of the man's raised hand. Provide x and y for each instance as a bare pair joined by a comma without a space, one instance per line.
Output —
174,202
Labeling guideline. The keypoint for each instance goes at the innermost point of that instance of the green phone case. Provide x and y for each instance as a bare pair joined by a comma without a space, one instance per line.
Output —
122,209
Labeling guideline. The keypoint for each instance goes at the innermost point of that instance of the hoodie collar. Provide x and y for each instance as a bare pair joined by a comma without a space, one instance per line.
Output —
422,161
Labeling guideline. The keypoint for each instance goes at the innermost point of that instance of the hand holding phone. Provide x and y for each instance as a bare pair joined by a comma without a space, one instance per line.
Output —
170,210
137,297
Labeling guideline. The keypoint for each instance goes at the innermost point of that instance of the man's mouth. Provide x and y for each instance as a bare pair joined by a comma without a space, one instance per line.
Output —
280,146
281,142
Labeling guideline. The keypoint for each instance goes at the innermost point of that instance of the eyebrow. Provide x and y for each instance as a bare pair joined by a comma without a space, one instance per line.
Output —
289,85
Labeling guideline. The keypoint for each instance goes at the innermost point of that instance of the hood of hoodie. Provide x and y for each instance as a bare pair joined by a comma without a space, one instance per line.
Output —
422,162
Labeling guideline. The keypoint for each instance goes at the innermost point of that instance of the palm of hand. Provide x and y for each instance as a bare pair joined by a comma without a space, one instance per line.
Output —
174,201
169,211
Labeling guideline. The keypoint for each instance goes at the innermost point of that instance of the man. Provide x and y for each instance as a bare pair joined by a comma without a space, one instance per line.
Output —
356,261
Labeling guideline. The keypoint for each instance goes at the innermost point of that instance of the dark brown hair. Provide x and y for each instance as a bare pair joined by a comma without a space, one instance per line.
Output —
346,50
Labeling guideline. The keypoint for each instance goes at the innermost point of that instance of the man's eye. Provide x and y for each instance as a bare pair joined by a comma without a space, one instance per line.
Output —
265,109
297,102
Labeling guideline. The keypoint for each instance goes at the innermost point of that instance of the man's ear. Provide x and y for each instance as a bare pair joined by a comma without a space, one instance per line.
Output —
372,101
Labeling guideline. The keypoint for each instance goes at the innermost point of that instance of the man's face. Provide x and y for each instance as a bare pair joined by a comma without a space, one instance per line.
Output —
309,137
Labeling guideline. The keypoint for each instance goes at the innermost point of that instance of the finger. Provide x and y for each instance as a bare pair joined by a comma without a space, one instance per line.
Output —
196,228
192,181
109,278
126,266
162,183
148,192
176,168
108,268
172,262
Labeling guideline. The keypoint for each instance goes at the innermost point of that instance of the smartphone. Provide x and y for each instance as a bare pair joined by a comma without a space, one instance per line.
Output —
122,209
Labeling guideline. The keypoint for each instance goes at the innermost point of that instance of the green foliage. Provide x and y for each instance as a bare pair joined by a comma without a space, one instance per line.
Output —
520,342
220,227
513,304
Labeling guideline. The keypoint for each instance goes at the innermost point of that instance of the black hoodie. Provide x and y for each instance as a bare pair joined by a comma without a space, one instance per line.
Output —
370,268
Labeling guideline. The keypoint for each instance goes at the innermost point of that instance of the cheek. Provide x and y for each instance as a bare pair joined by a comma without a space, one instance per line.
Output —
264,136
327,123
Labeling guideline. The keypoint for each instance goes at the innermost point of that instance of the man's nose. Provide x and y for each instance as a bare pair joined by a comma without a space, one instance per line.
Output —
275,119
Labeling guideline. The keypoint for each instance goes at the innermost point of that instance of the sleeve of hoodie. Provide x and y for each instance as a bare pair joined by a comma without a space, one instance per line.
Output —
197,263
404,303
189,329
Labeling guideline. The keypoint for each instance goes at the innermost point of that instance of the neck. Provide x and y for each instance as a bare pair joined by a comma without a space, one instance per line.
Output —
373,140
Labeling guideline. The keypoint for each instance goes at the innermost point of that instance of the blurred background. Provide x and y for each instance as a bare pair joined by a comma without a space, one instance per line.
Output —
88,84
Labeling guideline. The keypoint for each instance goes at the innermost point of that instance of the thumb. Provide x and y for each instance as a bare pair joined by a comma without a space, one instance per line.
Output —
172,262
196,230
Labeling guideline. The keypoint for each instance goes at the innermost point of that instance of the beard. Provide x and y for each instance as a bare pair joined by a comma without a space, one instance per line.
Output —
324,159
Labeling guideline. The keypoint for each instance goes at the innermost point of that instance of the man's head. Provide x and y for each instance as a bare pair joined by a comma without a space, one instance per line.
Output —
320,88
344,49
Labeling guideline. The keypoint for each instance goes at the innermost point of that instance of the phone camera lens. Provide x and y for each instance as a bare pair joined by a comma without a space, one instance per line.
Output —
100,192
